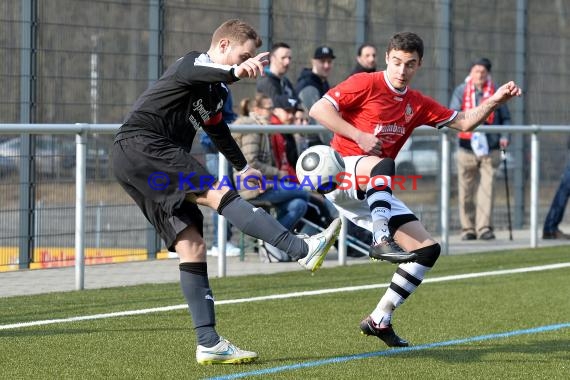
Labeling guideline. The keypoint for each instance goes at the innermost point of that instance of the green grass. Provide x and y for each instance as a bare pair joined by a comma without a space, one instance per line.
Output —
308,329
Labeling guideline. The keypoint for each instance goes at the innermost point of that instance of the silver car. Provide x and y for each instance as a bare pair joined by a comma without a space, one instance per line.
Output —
421,155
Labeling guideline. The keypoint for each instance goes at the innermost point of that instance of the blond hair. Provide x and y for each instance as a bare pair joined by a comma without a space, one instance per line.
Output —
236,30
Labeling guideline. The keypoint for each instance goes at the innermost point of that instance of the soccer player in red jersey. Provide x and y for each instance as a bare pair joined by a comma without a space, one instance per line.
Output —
372,115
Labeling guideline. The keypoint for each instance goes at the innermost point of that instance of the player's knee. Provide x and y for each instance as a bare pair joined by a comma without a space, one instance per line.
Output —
427,256
386,166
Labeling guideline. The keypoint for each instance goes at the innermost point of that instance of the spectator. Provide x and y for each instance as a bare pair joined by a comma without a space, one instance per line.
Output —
301,119
313,84
285,152
478,155
290,204
275,82
212,163
557,208
365,59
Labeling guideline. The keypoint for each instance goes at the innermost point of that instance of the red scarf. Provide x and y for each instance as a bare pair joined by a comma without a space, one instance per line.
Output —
279,146
469,101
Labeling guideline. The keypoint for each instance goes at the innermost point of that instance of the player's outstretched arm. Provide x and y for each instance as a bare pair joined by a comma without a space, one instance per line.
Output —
470,119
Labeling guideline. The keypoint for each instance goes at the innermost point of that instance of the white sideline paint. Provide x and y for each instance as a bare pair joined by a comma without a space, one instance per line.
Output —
282,296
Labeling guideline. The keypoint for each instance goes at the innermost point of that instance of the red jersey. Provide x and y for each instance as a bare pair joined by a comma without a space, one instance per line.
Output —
370,103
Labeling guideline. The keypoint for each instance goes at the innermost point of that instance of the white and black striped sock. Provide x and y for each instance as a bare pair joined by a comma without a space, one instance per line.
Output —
379,199
404,282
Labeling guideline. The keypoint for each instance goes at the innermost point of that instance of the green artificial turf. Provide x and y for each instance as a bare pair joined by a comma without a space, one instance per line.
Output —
309,330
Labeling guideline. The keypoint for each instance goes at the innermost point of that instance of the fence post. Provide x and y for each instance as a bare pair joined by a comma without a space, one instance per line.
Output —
445,191
362,7
98,217
80,160
37,223
222,223
266,23
342,250
155,44
517,145
534,183
27,199
27,107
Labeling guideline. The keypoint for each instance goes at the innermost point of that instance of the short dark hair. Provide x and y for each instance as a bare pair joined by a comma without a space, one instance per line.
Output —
279,45
408,42
485,62
361,47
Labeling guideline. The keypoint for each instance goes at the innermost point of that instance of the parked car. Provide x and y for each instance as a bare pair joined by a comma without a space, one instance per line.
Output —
55,156
48,155
8,166
421,155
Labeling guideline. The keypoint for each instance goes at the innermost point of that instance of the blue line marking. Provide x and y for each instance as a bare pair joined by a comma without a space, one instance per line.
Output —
391,352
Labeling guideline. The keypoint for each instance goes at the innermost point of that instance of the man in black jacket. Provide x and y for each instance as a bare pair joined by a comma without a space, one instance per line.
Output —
275,82
365,59
313,84
153,163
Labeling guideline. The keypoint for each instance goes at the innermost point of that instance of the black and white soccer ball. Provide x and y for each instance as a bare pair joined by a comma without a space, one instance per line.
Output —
320,167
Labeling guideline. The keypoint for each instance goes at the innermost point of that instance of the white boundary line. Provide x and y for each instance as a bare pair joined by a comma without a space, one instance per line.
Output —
282,296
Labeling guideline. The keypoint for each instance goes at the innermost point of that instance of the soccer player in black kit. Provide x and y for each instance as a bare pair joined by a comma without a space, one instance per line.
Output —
152,162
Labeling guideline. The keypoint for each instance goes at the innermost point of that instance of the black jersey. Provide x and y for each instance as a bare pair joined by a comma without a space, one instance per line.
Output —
188,96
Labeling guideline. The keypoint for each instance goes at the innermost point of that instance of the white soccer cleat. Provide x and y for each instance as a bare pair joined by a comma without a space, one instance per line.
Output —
223,353
319,246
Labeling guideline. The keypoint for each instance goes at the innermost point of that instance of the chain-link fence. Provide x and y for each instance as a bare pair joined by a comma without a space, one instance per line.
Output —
69,61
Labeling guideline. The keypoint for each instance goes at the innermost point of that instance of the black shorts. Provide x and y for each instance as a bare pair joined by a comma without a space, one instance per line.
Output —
158,174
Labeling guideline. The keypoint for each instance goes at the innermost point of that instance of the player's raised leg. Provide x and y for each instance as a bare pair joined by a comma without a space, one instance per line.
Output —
256,222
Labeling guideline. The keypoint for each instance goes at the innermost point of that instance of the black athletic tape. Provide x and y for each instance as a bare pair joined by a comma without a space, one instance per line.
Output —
378,189
386,167
200,269
381,204
226,200
397,221
427,256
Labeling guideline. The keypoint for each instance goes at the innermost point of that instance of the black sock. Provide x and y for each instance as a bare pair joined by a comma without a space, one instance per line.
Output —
259,224
196,289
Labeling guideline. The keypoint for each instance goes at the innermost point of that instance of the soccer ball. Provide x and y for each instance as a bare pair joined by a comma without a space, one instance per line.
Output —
318,168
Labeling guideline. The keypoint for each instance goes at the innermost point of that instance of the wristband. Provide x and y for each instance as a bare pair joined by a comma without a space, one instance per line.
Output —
233,71
244,169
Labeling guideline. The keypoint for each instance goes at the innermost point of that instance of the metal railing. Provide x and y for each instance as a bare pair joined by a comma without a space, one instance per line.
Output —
82,130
